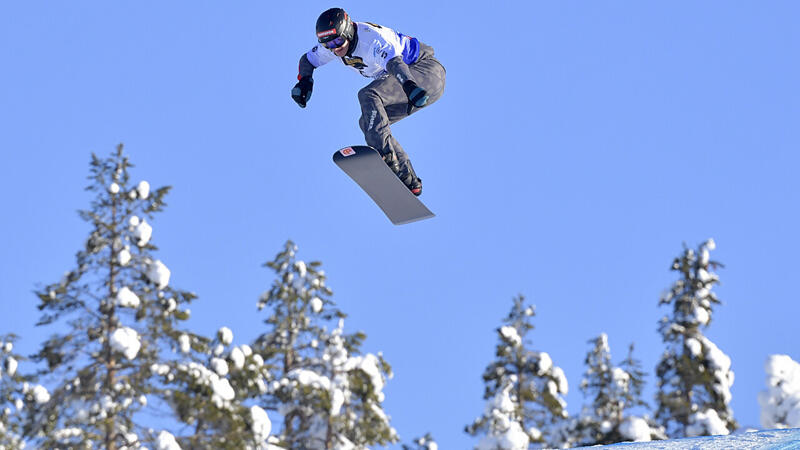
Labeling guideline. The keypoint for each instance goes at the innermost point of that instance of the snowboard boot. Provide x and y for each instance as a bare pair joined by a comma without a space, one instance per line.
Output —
407,175
412,182
391,160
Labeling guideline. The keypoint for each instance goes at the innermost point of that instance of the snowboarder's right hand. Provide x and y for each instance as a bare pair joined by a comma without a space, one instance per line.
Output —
416,95
302,91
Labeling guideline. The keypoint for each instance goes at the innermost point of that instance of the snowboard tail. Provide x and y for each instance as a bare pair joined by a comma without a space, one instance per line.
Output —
366,167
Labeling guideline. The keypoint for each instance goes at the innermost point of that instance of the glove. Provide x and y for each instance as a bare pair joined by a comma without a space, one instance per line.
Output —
416,95
301,93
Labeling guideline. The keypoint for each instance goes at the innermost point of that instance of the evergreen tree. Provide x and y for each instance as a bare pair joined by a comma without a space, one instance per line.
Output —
694,375
11,395
633,427
211,395
523,388
613,390
780,402
119,355
424,443
328,394
633,394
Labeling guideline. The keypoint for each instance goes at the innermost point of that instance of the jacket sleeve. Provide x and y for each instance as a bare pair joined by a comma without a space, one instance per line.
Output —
314,58
398,69
305,69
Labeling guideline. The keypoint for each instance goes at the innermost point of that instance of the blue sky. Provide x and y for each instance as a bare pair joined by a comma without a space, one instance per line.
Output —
577,146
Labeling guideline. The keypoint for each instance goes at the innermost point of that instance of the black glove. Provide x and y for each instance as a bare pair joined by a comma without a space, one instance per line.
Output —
301,93
416,95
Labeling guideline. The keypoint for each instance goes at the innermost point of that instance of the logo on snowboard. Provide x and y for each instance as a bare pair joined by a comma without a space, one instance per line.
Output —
347,151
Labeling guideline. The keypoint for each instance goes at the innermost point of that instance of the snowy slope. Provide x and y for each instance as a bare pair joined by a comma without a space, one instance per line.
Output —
788,439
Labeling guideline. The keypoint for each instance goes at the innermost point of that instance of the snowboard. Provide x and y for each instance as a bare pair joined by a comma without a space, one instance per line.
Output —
366,167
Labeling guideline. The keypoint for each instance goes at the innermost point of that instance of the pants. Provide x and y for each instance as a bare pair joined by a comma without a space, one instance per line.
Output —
383,103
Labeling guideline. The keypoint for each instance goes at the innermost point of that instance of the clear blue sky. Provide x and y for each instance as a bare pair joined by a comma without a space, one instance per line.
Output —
577,146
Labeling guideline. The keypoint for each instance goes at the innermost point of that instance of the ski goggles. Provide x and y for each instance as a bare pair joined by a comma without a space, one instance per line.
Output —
335,43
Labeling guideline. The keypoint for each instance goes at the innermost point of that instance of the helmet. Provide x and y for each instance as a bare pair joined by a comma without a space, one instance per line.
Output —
334,23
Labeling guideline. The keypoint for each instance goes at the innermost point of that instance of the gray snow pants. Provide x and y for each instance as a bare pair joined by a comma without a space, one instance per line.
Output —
383,103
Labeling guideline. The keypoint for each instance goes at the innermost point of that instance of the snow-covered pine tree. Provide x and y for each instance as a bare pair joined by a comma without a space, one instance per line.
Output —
119,359
633,394
424,443
523,389
602,385
329,395
11,395
780,402
613,390
211,395
694,375
633,427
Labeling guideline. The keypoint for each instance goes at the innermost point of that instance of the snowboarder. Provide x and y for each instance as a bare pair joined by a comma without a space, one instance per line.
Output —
405,73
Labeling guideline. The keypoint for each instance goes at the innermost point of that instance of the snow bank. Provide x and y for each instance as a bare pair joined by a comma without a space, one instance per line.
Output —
706,422
772,439
513,438
635,429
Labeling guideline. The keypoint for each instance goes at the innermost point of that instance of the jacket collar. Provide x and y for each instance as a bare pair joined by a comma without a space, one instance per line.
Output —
354,42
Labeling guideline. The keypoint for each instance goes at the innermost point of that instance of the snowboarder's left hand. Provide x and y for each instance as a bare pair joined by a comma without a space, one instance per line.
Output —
416,95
